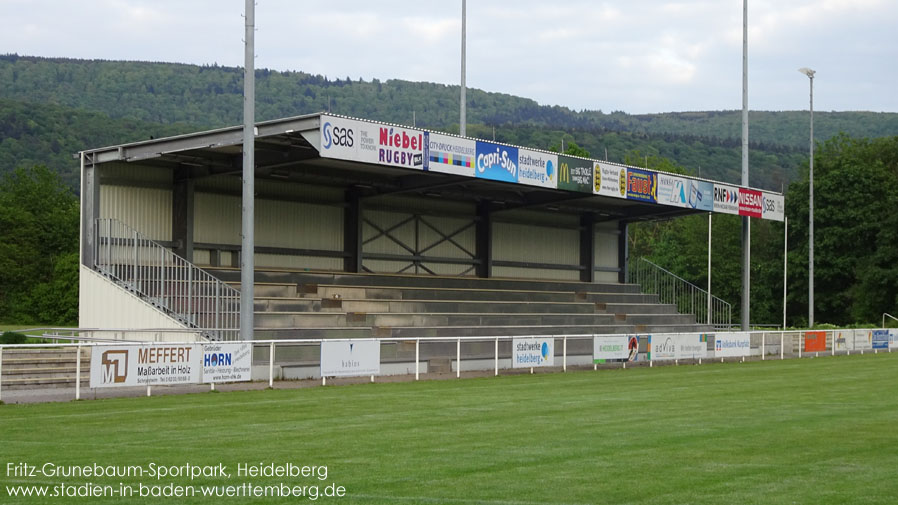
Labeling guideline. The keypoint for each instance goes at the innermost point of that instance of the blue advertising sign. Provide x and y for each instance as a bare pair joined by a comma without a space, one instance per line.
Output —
642,185
880,339
496,162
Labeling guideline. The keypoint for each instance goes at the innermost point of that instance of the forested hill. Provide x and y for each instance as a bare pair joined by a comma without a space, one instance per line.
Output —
52,107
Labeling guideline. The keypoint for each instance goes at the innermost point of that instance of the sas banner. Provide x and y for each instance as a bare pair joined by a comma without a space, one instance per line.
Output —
575,174
449,155
610,347
533,352
144,365
350,358
227,362
774,206
733,344
880,339
814,341
677,346
609,180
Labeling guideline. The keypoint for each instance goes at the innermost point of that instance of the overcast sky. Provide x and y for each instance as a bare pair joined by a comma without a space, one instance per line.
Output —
632,55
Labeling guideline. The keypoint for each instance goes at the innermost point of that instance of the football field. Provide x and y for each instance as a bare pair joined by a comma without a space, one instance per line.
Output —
816,431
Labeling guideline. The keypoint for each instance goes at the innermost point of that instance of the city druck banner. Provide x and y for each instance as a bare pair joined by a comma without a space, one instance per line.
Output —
732,345
449,155
350,358
398,146
532,352
677,346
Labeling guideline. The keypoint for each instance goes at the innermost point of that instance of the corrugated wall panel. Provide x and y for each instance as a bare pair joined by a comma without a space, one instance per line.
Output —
280,189
297,262
375,242
216,218
606,245
535,244
147,210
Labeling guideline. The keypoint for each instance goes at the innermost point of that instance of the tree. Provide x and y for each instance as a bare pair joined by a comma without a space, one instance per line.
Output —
38,248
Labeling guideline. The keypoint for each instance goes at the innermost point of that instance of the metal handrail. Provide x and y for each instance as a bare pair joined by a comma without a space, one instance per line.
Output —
167,281
884,314
686,296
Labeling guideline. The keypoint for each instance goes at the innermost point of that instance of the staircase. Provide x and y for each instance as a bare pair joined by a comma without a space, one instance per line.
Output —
293,304
43,368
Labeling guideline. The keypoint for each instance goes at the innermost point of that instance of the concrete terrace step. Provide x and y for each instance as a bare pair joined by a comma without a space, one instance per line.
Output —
232,275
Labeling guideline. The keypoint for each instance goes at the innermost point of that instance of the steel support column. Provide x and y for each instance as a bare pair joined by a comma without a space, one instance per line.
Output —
484,240
588,247
182,214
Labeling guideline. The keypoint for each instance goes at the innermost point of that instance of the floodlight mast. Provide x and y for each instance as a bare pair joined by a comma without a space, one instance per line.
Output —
247,251
810,73
746,224
463,114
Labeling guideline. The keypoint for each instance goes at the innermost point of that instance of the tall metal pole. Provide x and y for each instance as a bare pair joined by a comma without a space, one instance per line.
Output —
247,263
810,73
746,234
463,119
785,266
709,268
811,217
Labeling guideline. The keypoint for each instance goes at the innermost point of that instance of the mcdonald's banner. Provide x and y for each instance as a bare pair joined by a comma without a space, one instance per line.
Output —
814,341
575,174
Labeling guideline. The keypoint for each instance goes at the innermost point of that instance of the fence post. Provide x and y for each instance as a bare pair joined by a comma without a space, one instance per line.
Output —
149,391
271,365
497,355
763,338
458,358
782,350
564,354
1,373
417,357
78,373
834,342
800,335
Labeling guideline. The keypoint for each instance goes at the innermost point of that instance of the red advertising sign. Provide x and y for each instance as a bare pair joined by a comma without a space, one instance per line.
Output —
814,341
751,203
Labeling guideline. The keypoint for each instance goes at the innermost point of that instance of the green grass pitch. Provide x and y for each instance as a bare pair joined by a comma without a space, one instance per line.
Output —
814,431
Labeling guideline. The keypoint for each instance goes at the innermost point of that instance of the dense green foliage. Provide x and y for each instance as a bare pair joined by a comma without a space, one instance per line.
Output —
811,431
38,248
12,337
138,96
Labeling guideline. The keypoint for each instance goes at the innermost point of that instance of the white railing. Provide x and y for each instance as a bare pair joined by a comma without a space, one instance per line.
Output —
764,345
167,281
674,290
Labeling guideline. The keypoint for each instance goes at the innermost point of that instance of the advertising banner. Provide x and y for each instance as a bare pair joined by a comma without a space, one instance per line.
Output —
144,365
750,203
863,339
574,174
537,169
642,185
533,352
774,206
726,199
732,344
609,180
673,190
814,341
227,362
496,162
339,138
893,338
391,145
449,155
677,346
880,339
610,347
843,340
350,358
